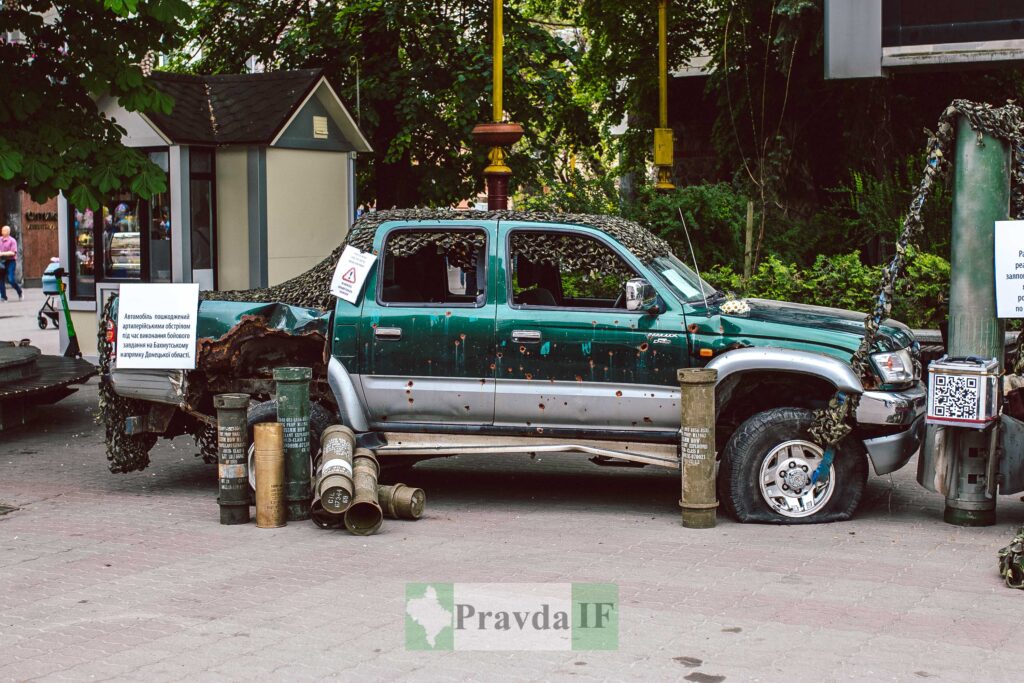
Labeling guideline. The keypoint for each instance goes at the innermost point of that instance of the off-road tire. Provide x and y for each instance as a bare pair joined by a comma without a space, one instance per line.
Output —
739,490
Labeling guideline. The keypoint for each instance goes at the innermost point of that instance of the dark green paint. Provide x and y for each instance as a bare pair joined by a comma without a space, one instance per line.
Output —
293,414
587,345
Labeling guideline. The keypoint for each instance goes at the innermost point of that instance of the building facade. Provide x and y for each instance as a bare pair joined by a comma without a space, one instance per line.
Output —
260,187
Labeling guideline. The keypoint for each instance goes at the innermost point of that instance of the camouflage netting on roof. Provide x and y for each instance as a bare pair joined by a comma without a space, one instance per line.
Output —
311,289
572,253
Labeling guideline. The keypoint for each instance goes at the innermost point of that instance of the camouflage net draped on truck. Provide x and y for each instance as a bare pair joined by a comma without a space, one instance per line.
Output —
312,288
125,452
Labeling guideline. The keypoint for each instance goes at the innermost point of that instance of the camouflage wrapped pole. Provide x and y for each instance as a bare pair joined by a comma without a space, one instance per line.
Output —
293,415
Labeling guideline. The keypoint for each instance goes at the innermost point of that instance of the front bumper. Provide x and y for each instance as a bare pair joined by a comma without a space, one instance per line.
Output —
904,408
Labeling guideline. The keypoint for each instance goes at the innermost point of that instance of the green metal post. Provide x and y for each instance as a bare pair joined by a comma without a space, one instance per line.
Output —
981,196
232,455
293,414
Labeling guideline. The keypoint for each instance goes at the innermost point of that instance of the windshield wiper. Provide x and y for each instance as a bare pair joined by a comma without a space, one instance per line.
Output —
714,297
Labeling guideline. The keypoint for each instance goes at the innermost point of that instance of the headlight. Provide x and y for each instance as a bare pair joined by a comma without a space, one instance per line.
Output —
894,366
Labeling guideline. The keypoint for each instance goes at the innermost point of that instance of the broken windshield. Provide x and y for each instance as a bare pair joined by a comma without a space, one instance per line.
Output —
681,279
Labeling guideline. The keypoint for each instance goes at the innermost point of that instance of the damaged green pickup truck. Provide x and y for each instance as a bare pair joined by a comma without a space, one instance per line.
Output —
506,332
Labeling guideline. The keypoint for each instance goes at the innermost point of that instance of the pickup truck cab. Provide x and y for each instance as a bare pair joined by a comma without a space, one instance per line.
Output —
506,332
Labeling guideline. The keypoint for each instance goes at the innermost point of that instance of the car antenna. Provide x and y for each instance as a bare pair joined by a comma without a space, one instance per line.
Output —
693,255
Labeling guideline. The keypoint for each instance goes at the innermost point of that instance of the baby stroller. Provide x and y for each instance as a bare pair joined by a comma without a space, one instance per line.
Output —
51,288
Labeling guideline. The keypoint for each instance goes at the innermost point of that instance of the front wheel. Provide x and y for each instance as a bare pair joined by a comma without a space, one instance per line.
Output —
765,474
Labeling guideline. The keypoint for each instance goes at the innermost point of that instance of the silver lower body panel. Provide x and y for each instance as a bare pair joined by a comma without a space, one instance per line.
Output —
430,445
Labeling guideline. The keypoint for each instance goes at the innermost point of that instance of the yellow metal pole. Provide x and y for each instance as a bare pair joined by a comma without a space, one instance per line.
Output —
663,154
498,45
496,134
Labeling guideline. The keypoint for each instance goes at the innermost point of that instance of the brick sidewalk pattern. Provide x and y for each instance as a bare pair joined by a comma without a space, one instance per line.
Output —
131,576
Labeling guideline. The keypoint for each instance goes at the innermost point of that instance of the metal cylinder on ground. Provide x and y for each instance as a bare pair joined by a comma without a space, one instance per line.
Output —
324,519
364,515
232,455
268,439
293,415
981,196
334,485
401,502
697,447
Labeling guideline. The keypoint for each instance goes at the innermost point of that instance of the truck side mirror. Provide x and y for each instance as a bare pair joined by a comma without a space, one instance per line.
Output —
640,296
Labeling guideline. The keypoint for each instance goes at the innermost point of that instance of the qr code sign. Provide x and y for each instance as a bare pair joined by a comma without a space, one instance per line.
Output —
955,397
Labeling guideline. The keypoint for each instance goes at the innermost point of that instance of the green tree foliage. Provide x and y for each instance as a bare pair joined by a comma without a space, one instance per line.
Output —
715,215
578,193
843,281
618,70
423,73
52,136
789,137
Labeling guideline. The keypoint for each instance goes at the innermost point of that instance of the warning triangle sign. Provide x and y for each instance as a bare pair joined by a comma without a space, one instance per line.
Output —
350,275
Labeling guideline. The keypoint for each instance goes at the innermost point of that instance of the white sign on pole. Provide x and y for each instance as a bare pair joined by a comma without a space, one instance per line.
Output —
156,326
350,274
1010,269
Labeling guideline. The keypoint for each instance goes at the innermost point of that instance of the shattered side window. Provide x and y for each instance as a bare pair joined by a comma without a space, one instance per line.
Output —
565,269
434,267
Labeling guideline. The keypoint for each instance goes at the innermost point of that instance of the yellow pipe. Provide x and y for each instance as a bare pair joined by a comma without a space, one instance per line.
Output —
662,64
499,42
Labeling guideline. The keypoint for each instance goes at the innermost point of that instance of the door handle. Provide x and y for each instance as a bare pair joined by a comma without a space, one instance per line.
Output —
392,333
526,336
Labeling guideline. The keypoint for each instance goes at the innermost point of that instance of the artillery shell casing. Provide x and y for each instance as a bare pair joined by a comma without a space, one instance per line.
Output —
232,458
401,502
293,414
364,515
270,483
335,485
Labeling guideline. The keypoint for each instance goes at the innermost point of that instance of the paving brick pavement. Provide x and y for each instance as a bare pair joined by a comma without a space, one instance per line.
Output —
18,320
131,576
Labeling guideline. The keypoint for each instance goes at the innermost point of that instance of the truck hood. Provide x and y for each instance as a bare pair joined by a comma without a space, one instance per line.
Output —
833,328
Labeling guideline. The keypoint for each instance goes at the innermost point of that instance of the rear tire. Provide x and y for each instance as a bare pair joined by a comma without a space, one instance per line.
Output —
765,471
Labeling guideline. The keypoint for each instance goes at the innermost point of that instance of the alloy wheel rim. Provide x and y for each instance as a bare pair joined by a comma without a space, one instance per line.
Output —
785,479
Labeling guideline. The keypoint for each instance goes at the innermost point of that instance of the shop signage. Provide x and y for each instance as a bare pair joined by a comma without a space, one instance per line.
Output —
350,274
156,326
1010,269
41,220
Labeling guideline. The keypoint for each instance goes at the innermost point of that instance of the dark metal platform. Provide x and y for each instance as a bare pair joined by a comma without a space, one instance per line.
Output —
31,379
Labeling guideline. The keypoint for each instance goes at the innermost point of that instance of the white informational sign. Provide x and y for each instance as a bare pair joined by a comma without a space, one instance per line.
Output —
350,275
156,326
1010,269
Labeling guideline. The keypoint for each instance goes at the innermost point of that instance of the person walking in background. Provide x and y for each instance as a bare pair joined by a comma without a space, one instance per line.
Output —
9,263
